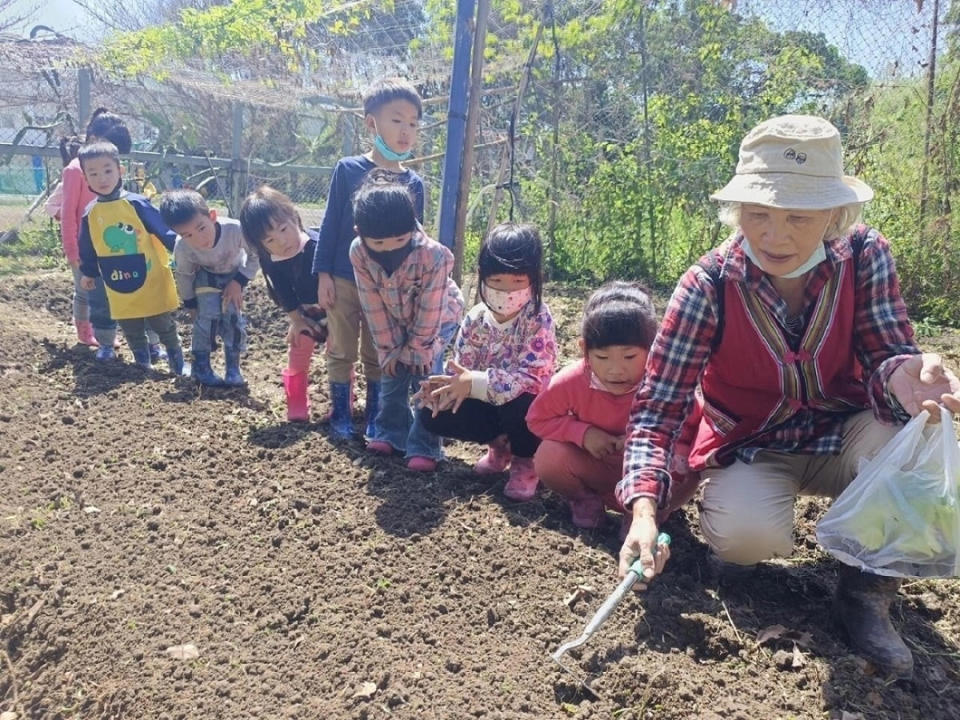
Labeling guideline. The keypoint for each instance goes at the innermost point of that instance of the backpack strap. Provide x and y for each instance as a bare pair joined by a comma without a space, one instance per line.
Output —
711,266
857,240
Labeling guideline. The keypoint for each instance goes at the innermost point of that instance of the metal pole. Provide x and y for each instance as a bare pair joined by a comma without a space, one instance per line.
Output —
456,123
83,98
473,113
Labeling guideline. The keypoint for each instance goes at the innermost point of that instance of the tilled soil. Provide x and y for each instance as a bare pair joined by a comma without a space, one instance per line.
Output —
139,513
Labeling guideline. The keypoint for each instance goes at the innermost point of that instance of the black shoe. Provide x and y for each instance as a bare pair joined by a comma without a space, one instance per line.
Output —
861,607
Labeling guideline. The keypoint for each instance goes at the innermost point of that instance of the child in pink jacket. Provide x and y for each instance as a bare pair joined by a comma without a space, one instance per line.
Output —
582,415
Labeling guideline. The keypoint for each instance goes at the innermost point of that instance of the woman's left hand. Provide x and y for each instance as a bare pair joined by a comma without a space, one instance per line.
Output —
922,382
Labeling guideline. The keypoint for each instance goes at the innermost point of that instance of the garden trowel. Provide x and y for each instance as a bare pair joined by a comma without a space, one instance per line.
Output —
600,617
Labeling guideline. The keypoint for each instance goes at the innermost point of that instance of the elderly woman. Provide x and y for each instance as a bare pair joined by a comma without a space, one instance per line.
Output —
797,335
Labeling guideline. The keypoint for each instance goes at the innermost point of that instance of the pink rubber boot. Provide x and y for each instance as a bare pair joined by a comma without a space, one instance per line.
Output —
85,333
587,511
523,481
298,402
497,458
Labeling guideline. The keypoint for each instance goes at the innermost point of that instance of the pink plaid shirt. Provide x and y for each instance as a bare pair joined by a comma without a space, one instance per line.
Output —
405,310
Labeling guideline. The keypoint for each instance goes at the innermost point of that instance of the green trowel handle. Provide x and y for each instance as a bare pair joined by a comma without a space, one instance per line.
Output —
637,567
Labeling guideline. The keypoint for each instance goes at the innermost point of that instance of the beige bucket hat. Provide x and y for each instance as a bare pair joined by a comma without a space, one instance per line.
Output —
793,162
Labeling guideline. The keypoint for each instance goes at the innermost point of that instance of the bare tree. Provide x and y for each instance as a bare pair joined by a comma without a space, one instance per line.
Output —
11,16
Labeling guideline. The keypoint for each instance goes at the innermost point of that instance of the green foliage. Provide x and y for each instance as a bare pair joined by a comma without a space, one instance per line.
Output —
34,246
241,29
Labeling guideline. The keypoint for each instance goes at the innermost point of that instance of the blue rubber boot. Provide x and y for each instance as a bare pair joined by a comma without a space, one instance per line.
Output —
142,359
341,414
201,370
157,353
233,377
373,407
106,353
175,361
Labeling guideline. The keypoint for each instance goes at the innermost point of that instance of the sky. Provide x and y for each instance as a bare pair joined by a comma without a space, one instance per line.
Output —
64,16
881,35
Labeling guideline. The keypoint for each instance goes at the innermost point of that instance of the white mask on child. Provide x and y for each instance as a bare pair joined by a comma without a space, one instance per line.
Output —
506,302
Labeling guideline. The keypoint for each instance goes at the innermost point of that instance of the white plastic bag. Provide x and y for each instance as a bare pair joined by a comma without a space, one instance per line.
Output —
901,515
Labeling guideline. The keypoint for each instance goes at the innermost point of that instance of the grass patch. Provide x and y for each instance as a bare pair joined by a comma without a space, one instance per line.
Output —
35,246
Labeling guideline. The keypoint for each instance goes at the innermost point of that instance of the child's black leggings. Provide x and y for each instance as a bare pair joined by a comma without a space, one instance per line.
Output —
481,422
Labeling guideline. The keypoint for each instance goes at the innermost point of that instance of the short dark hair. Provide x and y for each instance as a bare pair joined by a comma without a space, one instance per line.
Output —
181,206
69,147
261,209
619,313
386,91
383,206
98,149
513,249
104,125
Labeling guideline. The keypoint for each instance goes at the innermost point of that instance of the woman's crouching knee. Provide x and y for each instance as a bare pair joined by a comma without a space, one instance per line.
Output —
746,541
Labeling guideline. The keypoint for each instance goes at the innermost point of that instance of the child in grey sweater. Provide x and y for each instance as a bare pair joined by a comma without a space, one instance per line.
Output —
212,267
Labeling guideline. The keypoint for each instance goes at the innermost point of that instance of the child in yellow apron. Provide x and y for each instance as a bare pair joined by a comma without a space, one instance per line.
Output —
124,241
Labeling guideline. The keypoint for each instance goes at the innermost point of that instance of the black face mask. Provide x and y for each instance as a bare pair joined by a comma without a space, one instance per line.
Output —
112,195
390,260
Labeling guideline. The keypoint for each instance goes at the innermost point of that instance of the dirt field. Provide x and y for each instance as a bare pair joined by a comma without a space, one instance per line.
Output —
138,514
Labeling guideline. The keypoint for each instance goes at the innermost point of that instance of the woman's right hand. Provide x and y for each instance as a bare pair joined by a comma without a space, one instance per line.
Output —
641,542
326,291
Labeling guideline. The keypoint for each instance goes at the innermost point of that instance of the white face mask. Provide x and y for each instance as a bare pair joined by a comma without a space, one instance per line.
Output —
818,255
504,302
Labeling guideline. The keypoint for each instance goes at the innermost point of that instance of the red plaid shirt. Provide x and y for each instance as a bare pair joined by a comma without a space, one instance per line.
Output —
883,339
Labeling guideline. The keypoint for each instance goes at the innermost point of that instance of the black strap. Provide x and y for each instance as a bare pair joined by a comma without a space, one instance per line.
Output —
711,266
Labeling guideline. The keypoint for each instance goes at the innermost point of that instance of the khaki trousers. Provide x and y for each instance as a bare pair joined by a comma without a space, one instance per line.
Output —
747,509
345,325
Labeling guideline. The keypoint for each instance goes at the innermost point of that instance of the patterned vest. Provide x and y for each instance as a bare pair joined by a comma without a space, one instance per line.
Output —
755,381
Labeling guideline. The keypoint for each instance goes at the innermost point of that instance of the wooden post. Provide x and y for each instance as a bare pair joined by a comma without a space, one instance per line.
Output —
931,82
238,165
508,150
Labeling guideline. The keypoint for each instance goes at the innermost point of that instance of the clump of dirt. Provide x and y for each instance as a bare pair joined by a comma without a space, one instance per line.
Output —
139,513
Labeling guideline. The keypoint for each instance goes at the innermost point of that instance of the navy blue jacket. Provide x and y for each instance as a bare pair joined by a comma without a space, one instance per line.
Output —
336,231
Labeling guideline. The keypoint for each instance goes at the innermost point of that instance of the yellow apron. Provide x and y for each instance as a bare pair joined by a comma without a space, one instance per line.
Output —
134,264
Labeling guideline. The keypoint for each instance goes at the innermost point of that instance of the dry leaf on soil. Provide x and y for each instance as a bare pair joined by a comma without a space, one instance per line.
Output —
777,632
183,652
367,690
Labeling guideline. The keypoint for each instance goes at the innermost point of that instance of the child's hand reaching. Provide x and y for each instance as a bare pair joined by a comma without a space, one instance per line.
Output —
451,390
88,283
232,294
297,325
601,444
